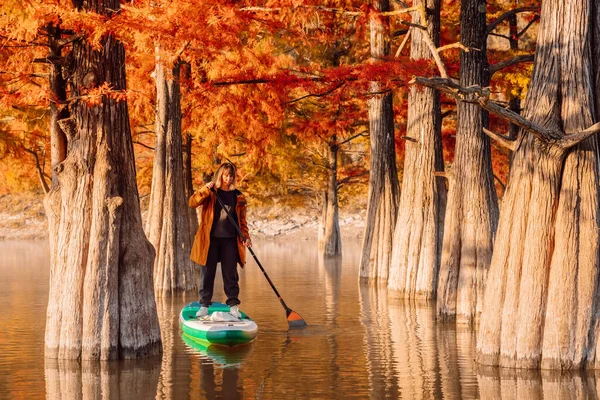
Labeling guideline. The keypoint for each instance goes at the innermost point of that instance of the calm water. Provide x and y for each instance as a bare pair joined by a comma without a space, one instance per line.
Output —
358,344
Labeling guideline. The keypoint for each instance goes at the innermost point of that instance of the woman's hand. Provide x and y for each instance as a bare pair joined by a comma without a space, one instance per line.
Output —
248,243
210,185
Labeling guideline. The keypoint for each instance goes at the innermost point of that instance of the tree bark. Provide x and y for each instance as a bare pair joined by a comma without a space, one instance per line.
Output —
58,109
101,303
541,302
382,202
472,210
330,238
168,226
420,225
188,182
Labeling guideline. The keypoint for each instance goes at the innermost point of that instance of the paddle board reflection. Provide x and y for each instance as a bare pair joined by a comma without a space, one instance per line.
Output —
221,355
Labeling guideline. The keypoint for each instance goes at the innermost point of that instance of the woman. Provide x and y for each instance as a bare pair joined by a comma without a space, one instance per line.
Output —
217,239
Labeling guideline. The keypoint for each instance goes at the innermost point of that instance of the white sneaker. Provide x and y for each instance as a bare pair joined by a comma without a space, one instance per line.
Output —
235,311
202,312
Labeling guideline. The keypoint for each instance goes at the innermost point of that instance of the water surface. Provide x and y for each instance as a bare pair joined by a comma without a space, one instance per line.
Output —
359,344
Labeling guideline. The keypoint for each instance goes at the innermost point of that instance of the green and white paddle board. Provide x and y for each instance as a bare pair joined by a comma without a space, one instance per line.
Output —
219,327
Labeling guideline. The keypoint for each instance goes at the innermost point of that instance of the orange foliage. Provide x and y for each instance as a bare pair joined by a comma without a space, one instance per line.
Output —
266,85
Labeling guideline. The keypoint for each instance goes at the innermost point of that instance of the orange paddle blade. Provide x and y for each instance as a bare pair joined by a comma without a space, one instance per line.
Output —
295,320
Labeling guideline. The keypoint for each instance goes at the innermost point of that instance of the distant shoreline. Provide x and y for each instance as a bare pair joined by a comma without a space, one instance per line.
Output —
23,217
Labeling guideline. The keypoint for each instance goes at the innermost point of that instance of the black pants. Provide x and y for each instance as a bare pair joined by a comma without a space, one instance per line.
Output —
222,250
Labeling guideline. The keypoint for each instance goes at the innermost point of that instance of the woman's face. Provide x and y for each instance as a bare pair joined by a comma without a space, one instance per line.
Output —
226,178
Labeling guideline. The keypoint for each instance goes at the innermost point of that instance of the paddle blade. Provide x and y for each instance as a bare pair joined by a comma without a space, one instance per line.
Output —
295,320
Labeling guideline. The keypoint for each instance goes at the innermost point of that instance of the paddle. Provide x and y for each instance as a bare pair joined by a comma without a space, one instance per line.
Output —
294,319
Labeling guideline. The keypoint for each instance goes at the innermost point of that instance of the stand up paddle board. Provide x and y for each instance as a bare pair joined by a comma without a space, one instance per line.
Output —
218,327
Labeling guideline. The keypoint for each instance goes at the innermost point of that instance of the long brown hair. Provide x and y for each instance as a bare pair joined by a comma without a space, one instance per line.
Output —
217,179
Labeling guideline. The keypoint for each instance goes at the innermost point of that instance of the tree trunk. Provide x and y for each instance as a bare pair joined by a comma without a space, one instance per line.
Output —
472,210
382,202
168,222
514,102
58,109
101,303
541,302
330,238
188,183
420,225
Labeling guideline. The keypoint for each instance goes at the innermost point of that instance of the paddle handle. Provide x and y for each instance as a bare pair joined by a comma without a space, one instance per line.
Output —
239,231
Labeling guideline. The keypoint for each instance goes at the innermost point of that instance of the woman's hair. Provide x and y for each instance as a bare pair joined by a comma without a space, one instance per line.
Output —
222,168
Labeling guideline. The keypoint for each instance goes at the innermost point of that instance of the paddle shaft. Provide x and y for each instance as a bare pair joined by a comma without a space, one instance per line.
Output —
239,231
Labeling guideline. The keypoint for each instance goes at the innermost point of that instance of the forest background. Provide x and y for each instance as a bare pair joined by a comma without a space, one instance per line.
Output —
270,88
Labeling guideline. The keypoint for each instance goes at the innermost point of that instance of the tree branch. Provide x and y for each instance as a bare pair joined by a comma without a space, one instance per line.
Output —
63,42
401,47
574,139
504,141
537,17
316,94
352,138
143,145
507,15
40,170
510,62
476,94
502,185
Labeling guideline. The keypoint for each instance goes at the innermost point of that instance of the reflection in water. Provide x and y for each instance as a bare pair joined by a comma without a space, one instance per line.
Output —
378,341
72,379
221,355
410,355
359,343
510,384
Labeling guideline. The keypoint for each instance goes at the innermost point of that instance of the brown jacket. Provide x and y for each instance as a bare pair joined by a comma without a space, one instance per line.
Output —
205,198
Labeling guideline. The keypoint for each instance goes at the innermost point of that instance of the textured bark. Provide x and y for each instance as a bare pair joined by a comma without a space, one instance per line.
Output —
472,210
330,238
419,229
58,110
168,227
188,183
541,302
101,303
382,202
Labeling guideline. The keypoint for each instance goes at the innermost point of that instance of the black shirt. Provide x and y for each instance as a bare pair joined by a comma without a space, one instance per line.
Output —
222,226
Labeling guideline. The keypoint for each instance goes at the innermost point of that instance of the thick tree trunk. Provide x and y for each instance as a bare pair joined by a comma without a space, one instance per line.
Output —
168,219
541,302
383,180
472,209
419,228
101,303
330,238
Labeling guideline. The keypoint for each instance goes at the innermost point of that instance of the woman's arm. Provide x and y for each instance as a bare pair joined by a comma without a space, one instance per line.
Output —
199,197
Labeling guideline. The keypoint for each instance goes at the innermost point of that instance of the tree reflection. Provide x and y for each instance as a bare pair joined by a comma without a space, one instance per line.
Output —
507,384
86,380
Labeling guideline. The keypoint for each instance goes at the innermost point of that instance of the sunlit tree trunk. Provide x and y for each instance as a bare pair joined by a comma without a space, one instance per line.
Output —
472,210
168,219
541,301
419,228
330,238
383,178
101,302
